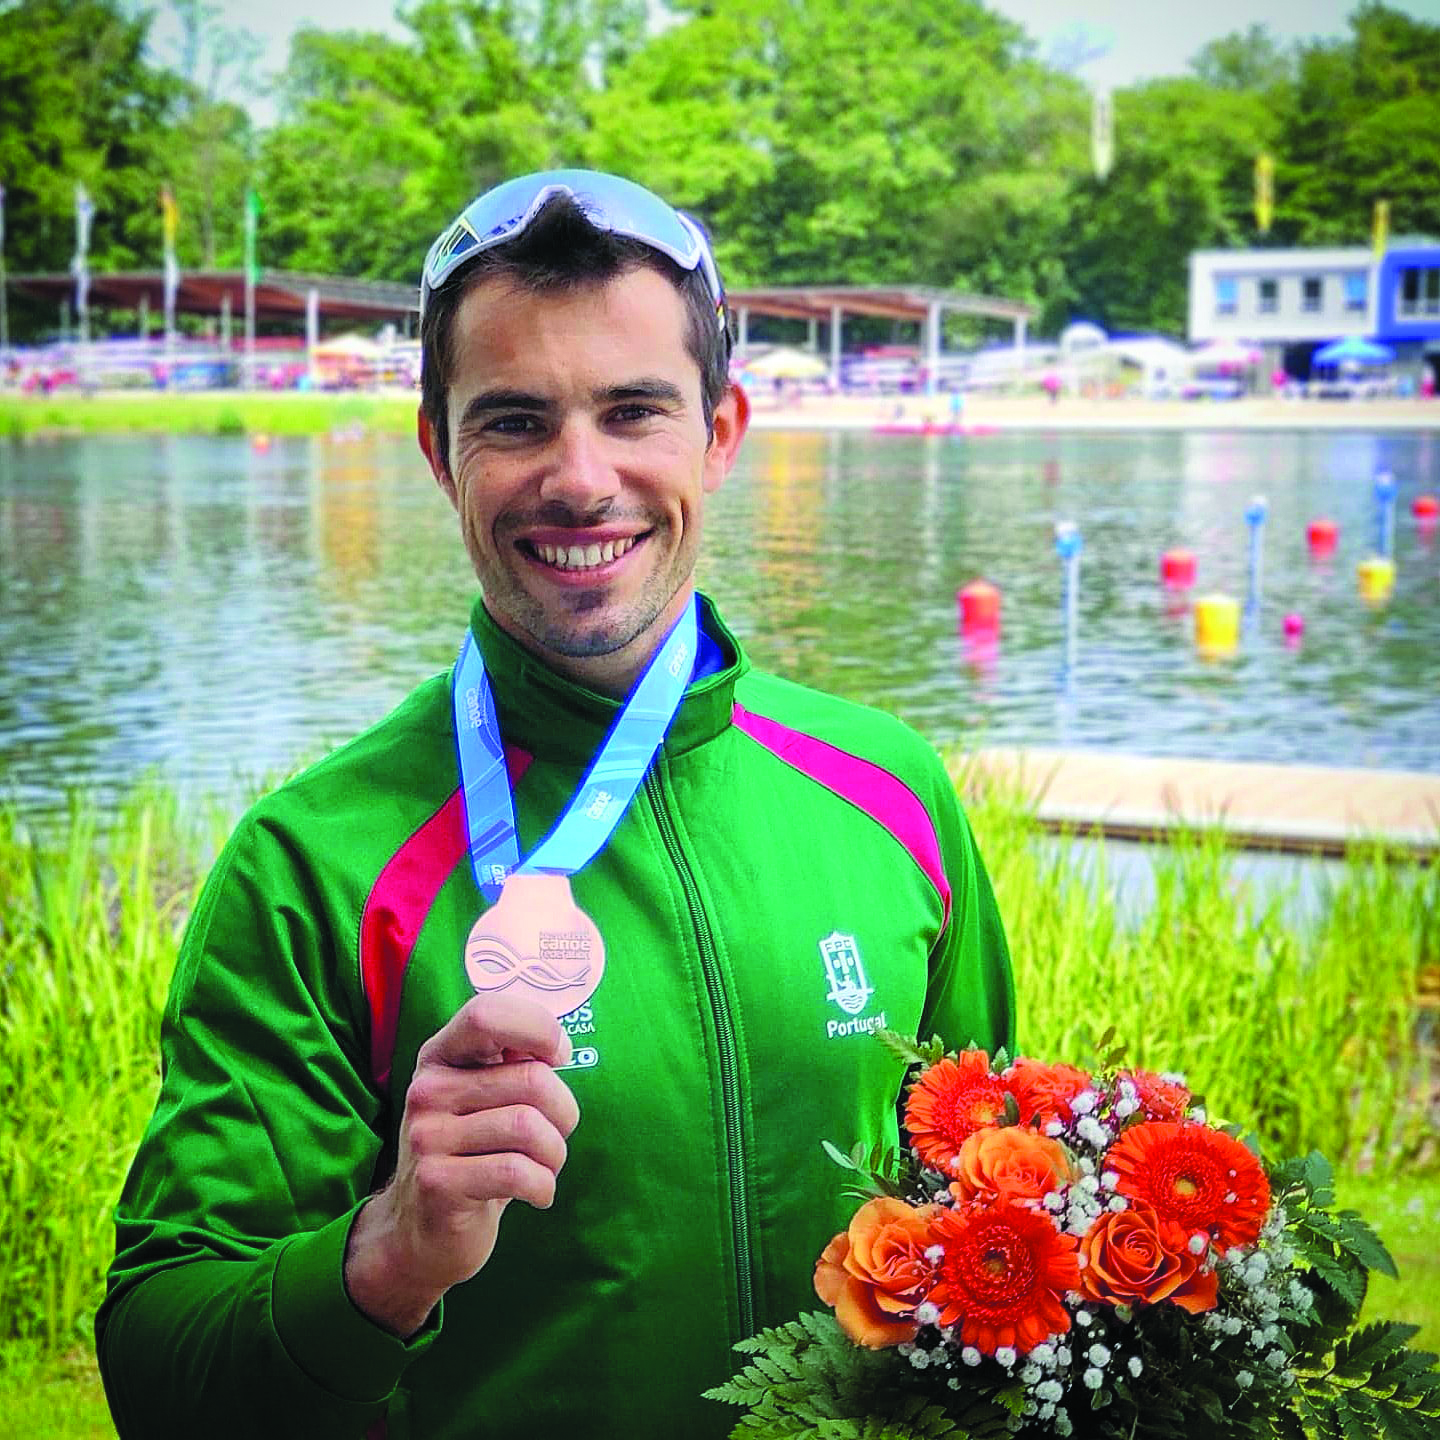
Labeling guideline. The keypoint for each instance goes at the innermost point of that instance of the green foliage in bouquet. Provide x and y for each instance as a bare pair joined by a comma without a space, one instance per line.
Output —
809,1378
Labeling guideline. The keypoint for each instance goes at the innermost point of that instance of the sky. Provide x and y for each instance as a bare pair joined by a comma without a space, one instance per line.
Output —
1130,39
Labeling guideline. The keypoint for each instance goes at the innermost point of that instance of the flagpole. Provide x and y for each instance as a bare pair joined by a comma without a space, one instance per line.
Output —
252,215
169,222
84,213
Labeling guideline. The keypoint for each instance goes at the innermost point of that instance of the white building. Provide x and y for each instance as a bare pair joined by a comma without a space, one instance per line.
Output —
1281,297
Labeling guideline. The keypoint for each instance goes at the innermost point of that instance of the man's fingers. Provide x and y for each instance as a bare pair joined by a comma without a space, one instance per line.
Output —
443,1090
480,1178
487,1026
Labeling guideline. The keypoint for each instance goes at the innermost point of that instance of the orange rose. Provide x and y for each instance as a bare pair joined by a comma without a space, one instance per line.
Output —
1044,1092
1160,1099
1010,1162
1133,1256
873,1273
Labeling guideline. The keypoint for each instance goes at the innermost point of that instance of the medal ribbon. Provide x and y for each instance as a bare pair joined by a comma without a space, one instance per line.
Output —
609,785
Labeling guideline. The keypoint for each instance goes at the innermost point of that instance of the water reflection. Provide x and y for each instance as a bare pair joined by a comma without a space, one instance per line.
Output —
220,612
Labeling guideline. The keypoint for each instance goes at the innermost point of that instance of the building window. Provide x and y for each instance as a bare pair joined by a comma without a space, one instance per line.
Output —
1311,293
1409,292
1420,291
1356,297
1227,300
1269,296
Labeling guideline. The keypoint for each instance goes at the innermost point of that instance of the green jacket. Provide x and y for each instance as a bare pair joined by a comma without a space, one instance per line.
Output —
793,873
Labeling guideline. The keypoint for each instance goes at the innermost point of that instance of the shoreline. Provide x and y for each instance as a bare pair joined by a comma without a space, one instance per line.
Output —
352,414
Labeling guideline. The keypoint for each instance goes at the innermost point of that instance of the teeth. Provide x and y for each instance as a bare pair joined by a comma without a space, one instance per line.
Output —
583,557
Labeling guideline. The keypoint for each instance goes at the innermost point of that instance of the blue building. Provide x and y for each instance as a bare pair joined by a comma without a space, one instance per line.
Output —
1407,300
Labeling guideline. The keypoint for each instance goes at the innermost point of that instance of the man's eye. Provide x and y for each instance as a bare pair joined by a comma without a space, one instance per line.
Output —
512,425
632,414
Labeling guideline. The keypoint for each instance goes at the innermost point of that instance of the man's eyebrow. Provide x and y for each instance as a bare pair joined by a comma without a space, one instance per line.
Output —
488,400
646,388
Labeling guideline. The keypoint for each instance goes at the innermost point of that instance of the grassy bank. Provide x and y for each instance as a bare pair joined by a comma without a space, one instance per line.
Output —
218,413
1315,1036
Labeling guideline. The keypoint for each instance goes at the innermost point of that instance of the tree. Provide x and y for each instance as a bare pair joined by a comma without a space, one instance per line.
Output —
208,154
78,103
1362,127
836,141
1182,181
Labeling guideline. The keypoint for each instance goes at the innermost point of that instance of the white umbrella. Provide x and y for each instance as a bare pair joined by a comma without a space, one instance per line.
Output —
787,363
1224,354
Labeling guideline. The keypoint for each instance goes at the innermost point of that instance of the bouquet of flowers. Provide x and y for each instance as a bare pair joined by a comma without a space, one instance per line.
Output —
1067,1253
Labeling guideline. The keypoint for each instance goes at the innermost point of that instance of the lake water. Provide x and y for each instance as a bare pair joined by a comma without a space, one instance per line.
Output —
217,612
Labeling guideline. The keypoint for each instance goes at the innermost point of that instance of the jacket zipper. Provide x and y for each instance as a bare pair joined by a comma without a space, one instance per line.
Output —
729,1052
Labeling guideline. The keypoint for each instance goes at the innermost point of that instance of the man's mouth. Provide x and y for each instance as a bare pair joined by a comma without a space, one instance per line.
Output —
589,556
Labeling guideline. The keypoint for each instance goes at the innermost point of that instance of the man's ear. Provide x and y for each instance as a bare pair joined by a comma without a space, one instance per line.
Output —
430,448
731,420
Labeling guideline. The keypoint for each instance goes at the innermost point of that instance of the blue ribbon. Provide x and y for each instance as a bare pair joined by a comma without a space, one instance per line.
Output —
608,787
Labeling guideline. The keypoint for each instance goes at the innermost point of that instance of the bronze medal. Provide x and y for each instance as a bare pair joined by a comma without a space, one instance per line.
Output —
535,937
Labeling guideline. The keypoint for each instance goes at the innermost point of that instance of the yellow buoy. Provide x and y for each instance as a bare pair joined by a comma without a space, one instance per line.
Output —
1217,625
1377,579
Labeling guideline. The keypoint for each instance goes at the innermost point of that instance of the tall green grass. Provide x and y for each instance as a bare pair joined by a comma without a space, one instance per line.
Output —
88,931
1311,1033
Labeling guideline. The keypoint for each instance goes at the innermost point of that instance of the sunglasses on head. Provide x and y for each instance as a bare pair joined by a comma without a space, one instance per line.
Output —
609,203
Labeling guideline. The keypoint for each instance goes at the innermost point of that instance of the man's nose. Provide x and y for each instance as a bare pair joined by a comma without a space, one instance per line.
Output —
581,471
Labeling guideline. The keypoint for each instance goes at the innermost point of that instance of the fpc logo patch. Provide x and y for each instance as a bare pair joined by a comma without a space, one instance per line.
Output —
849,989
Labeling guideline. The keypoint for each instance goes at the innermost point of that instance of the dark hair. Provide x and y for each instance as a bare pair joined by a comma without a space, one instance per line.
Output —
561,250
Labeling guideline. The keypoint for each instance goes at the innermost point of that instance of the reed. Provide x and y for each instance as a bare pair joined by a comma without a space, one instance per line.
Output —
1310,1032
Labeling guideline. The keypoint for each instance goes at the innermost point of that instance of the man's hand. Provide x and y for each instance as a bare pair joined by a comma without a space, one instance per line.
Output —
486,1119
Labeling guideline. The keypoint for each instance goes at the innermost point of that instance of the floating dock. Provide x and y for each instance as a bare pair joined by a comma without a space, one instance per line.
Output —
1301,809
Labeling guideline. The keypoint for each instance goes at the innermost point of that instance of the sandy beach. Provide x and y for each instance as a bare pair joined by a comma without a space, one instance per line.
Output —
984,413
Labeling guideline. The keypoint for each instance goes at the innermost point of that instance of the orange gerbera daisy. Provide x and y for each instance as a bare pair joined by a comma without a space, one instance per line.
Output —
1003,1275
949,1102
1200,1178
1044,1092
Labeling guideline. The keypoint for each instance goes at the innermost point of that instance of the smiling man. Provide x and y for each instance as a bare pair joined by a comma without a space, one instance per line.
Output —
601,920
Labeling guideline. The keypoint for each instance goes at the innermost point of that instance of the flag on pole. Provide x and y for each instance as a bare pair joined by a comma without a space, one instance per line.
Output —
1102,133
252,219
1264,192
84,214
1380,231
169,224
169,217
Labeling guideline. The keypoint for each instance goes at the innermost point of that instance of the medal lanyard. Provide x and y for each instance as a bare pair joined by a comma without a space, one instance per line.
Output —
608,787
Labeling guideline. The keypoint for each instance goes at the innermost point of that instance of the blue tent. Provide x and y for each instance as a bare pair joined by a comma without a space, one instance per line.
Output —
1352,350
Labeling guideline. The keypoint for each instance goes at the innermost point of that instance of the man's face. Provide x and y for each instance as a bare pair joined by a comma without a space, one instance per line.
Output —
578,464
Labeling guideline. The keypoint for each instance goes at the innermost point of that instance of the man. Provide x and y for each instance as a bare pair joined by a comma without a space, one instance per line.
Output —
317,1237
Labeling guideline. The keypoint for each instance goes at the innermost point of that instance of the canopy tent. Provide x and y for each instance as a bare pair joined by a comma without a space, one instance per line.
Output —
1353,351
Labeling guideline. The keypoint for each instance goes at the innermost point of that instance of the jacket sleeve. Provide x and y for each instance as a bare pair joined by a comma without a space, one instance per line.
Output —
971,994
226,1312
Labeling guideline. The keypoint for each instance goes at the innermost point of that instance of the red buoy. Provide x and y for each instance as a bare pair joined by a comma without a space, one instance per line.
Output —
1322,536
1426,508
1177,569
979,606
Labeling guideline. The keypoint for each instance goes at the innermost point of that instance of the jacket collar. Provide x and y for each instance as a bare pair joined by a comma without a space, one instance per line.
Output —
557,719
